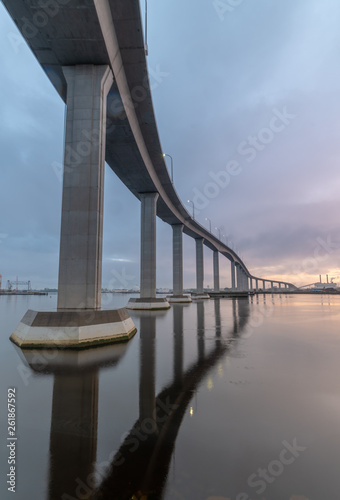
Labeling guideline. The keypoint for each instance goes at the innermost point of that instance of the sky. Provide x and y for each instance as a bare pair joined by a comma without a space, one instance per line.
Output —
247,100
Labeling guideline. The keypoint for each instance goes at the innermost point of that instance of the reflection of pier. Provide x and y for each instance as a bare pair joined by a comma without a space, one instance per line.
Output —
141,465
73,439
73,435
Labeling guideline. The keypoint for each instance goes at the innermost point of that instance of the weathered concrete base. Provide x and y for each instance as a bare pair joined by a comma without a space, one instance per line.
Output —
72,360
200,296
179,299
73,329
230,293
148,303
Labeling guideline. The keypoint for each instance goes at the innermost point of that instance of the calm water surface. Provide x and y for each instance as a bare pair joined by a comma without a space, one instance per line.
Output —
221,399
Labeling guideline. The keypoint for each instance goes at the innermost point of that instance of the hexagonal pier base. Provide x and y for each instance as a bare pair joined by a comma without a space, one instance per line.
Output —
73,329
200,296
179,299
148,304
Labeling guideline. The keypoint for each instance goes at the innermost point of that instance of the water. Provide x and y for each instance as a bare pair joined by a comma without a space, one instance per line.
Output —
246,395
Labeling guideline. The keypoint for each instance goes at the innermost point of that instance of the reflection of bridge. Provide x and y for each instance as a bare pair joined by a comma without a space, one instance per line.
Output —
95,58
142,462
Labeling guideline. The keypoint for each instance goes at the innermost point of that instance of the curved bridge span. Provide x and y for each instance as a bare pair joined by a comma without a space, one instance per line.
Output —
91,49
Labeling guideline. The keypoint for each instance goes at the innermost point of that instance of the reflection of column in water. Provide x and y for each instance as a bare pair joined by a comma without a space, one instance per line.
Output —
243,312
200,329
147,400
178,342
235,317
73,440
217,308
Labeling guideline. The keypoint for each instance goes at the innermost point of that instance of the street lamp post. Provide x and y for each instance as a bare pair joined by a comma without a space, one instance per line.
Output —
219,232
172,166
193,208
207,218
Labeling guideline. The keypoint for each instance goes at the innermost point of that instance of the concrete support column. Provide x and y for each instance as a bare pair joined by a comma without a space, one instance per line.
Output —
148,300
216,272
80,263
257,285
246,281
280,285
199,266
251,283
148,245
240,282
233,280
177,255
264,284
272,285
238,277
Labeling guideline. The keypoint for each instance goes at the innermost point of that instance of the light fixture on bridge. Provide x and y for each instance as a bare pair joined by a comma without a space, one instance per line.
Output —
219,232
172,166
207,218
193,208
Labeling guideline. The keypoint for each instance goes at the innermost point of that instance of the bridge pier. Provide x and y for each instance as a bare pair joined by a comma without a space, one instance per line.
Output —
233,279
199,271
242,279
216,271
148,298
79,321
257,285
177,265
80,261
246,281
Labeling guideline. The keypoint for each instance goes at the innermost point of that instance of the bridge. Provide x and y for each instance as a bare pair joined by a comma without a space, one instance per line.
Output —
93,52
